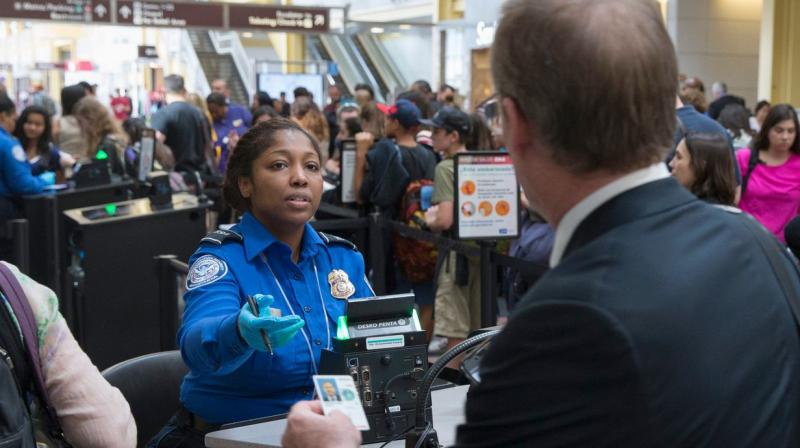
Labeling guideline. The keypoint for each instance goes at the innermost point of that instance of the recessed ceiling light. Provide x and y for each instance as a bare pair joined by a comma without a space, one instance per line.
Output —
376,29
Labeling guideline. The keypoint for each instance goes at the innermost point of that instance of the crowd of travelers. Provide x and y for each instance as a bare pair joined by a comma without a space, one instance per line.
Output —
724,154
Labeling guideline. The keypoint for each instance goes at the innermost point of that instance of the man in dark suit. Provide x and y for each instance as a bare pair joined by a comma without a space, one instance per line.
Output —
662,322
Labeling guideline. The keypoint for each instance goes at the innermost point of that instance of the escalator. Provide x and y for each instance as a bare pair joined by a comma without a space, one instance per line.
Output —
360,58
219,66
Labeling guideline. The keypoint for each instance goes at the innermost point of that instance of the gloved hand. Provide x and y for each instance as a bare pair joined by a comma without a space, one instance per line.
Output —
48,177
280,330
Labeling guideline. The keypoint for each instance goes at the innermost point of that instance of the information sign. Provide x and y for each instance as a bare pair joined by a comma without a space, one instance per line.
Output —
348,171
486,202
170,14
279,18
82,11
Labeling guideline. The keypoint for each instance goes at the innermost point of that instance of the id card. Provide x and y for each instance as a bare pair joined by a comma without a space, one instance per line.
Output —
339,393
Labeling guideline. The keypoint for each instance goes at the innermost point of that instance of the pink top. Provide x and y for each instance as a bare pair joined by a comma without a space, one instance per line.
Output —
773,192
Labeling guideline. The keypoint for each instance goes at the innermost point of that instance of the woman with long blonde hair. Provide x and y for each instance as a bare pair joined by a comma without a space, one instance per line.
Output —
102,134
306,113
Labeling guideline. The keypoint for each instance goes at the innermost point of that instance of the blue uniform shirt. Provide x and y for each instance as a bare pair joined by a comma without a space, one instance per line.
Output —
230,381
222,129
16,178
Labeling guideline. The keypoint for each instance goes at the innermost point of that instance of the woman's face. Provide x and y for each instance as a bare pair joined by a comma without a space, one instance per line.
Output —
33,126
782,135
285,184
761,115
681,166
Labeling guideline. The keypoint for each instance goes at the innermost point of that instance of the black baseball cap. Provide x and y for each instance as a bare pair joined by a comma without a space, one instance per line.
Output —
450,119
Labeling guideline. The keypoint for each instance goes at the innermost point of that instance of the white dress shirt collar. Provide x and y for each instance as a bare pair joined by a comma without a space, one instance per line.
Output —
590,203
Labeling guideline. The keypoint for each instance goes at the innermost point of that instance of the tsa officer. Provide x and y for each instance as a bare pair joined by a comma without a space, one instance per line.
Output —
15,172
300,279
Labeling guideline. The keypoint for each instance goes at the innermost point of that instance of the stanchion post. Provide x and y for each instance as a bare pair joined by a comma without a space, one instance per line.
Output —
377,257
168,301
17,230
488,296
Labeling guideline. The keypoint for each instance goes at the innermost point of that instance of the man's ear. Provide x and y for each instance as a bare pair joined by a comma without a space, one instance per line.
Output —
245,187
517,130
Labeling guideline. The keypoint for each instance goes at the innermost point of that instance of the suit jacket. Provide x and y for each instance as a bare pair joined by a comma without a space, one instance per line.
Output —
664,325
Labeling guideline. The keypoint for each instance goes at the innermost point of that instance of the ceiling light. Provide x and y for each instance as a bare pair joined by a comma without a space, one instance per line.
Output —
376,30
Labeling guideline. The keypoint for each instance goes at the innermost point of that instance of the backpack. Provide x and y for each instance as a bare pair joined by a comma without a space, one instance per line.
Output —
26,414
416,258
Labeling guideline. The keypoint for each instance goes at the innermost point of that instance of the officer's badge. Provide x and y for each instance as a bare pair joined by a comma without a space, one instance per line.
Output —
341,287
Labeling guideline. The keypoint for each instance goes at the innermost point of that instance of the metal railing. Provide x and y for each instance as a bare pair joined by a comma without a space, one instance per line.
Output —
227,42
370,231
193,67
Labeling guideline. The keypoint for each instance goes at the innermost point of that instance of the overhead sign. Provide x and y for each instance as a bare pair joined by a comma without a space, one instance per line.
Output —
169,14
179,14
486,196
148,52
83,11
279,18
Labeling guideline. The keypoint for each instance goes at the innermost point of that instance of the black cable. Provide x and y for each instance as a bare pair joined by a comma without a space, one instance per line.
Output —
424,397
410,374
425,433
397,436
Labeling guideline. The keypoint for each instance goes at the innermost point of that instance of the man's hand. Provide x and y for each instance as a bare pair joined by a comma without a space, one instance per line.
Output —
430,215
307,427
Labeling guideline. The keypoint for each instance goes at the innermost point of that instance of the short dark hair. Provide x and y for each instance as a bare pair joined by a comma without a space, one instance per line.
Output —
88,88
712,164
264,110
249,148
6,105
778,113
760,105
70,95
736,119
367,87
422,86
174,84
444,87
43,144
597,79
217,99
300,92
263,98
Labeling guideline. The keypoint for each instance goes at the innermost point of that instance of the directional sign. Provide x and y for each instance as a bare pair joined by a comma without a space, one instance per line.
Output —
169,14
279,18
84,11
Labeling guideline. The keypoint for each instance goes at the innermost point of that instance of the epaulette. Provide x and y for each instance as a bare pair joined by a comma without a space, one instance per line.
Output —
331,240
219,236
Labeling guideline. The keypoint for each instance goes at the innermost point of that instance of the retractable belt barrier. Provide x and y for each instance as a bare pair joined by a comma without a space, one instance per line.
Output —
374,225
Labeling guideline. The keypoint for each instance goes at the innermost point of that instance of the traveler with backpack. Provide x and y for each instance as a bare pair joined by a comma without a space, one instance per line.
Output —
458,298
396,174
50,392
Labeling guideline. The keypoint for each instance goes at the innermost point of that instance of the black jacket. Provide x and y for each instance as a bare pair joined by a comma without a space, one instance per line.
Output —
664,325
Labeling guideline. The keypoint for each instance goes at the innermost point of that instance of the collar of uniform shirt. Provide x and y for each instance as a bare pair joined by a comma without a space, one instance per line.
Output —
590,203
257,238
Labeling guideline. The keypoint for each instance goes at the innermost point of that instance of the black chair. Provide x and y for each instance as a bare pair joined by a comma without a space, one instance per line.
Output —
151,384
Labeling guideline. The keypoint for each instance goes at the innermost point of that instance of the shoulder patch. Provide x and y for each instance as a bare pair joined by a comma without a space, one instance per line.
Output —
219,236
205,270
332,240
18,153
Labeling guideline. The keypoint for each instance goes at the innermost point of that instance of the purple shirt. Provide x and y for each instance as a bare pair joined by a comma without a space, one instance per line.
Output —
773,192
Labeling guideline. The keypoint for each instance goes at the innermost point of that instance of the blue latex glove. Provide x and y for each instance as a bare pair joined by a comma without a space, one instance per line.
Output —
48,177
280,330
